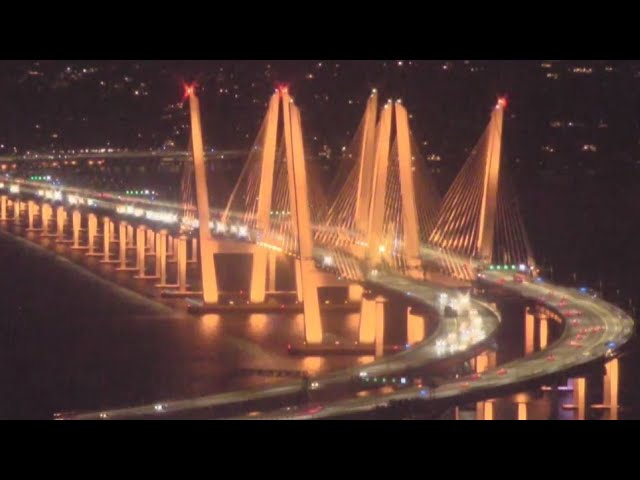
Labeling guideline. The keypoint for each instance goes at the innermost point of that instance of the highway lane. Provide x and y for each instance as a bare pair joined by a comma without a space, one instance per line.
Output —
598,332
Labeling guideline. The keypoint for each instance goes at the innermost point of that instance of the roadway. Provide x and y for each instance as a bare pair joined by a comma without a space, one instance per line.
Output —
598,332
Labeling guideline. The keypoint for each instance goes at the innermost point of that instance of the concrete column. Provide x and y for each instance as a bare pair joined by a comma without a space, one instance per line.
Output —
106,239
484,410
122,243
522,411
367,330
61,219
45,216
31,213
129,236
529,326
355,292
416,331
16,211
151,241
544,331
194,251
579,397
182,263
92,231
299,289
379,314
3,208
161,257
76,219
610,386
271,267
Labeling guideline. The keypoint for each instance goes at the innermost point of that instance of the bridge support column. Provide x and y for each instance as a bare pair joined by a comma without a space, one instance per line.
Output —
485,361
299,290
484,410
61,219
76,219
367,330
544,331
610,384
194,251
172,249
522,410
379,314
579,398
161,258
529,329
112,232
258,271
92,231
415,327
140,250
151,241
182,263
16,211
355,292
106,241
122,247
3,208
129,236
47,214
31,213
272,258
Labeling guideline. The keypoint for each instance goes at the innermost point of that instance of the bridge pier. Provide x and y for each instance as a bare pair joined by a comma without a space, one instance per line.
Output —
16,211
484,410
129,236
31,214
122,243
106,240
543,331
76,218
299,289
194,251
379,314
529,329
367,329
416,328
161,258
150,242
610,386
47,215
3,208
355,291
141,253
579,398
258,270
271,270
522,410
92,232
61,219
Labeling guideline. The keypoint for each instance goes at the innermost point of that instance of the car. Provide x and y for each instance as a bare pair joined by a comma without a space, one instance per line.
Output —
103,416
475,376
551,358
465,385
502,371
314,385
575,322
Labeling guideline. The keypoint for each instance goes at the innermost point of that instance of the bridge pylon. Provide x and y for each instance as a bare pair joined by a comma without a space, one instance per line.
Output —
207,242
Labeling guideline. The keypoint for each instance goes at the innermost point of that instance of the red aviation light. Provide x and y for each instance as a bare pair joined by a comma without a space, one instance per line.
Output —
189,89
502,102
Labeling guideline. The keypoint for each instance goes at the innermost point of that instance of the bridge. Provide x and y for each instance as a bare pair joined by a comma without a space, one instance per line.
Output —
385,231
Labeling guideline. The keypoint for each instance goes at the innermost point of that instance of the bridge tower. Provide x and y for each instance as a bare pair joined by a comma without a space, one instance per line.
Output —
262,256
378,245
207,242
488,206
301,217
